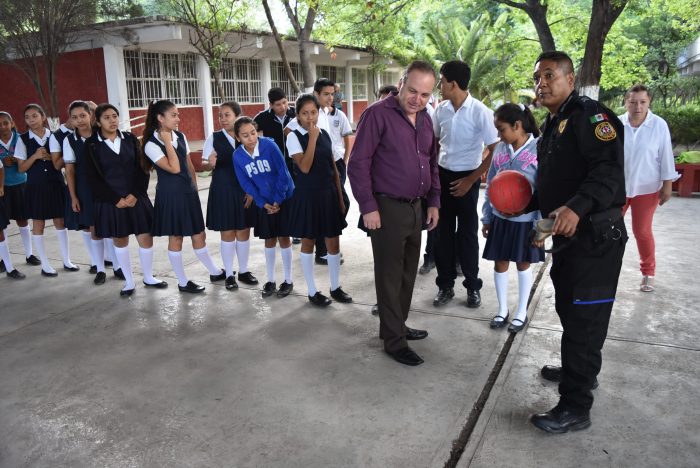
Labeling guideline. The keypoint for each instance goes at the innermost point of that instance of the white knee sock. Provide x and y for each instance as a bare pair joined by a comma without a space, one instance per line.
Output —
228,252
178,267
204,257
146,257
501,280
98,254
524,285
39,243
87,242
5,256
243,251
334,270
287,263
270,253
63,244
307,266
122,254
26,235
111,255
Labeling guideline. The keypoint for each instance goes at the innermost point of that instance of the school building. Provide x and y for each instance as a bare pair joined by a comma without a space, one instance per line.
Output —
131,62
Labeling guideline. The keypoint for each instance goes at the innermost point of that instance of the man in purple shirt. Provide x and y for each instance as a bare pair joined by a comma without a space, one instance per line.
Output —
393,165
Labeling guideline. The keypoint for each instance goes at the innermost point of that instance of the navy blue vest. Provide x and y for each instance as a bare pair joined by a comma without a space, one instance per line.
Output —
321,174
41,172
181,182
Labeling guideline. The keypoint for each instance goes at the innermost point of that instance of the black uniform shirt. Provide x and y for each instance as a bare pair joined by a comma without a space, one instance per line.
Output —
581,159
270,125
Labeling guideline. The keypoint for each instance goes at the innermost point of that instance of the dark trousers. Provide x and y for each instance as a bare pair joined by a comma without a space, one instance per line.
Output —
429,255
396,249
321,250
585,277
460,214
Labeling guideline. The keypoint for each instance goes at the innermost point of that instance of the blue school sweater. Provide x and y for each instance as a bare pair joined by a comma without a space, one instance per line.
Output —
264,176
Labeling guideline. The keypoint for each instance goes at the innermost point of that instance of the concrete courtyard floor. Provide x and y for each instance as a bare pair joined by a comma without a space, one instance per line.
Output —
228,379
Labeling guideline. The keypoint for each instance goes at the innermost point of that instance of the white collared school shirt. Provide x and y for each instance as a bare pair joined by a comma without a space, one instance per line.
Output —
21,150
154,152
648,155
463,133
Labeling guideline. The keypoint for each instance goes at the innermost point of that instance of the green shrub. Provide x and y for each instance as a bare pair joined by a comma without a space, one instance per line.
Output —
684,123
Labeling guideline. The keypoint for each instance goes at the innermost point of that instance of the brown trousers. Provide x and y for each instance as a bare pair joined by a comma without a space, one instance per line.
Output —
396,249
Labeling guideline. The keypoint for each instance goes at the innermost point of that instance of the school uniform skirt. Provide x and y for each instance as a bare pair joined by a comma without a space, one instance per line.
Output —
15,203
86,217
4,219
268,226
177,214
508,240
225,211
315,213
46,200
111,221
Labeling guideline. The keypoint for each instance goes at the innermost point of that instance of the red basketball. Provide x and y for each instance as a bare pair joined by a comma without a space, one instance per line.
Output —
509,192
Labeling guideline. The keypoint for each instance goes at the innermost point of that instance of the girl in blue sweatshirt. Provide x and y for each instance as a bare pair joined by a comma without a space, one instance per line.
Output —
507,237
262,173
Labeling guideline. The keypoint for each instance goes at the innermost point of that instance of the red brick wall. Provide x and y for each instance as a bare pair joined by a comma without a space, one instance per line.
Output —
79,75
191,122
250,110
358,107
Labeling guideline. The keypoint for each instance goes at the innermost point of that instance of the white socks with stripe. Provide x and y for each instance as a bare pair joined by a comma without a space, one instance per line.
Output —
98,254
178,267
63,244
228,252
307,266
524,285
287,264
122,254
5,256
39,244
243,251
501,280
204,257
334,270
270,253
26,235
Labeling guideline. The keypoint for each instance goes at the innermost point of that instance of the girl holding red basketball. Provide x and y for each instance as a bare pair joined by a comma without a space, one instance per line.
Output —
507,235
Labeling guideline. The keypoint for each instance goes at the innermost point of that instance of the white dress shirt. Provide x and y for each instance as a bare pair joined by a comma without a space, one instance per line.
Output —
463,133
648,155
154,152
322,122
21,150
208,148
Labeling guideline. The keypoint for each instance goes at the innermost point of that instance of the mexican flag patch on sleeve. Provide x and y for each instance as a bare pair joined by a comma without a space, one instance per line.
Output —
598,118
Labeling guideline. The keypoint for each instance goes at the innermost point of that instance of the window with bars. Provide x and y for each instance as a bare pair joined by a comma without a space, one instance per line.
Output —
155,75
279,78
240,80
389,78
336,74
359,83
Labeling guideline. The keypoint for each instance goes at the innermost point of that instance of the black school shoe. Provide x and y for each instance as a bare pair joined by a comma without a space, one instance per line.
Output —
560,419
32,260
158,285
191,287
231,283
285,289
406,356
553,374
319,300
269,289
14,274
219,277
247,278
100,278
118,273
48,274
473,298
71,268
126,292
93,270
341,296
2,267
444,296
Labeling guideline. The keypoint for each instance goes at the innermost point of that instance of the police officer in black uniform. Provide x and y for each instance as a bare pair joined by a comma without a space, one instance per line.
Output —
581,184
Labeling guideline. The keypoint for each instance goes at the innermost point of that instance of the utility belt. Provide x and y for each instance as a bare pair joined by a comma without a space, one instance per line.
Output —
602,225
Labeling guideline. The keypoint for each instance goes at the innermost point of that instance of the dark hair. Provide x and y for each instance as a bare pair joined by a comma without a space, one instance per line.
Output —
456,70
305,98
78,103
561,58
639,88
275,94
36,107
155,108
386,90
419,65
102,108
510,113
323,83
7,115
241,121
233,105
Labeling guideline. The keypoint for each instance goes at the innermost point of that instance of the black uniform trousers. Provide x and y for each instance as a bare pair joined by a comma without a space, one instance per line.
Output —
461,210
321,250
396,249
585,276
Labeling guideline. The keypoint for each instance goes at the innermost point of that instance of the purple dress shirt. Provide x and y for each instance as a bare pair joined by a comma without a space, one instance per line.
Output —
393,157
